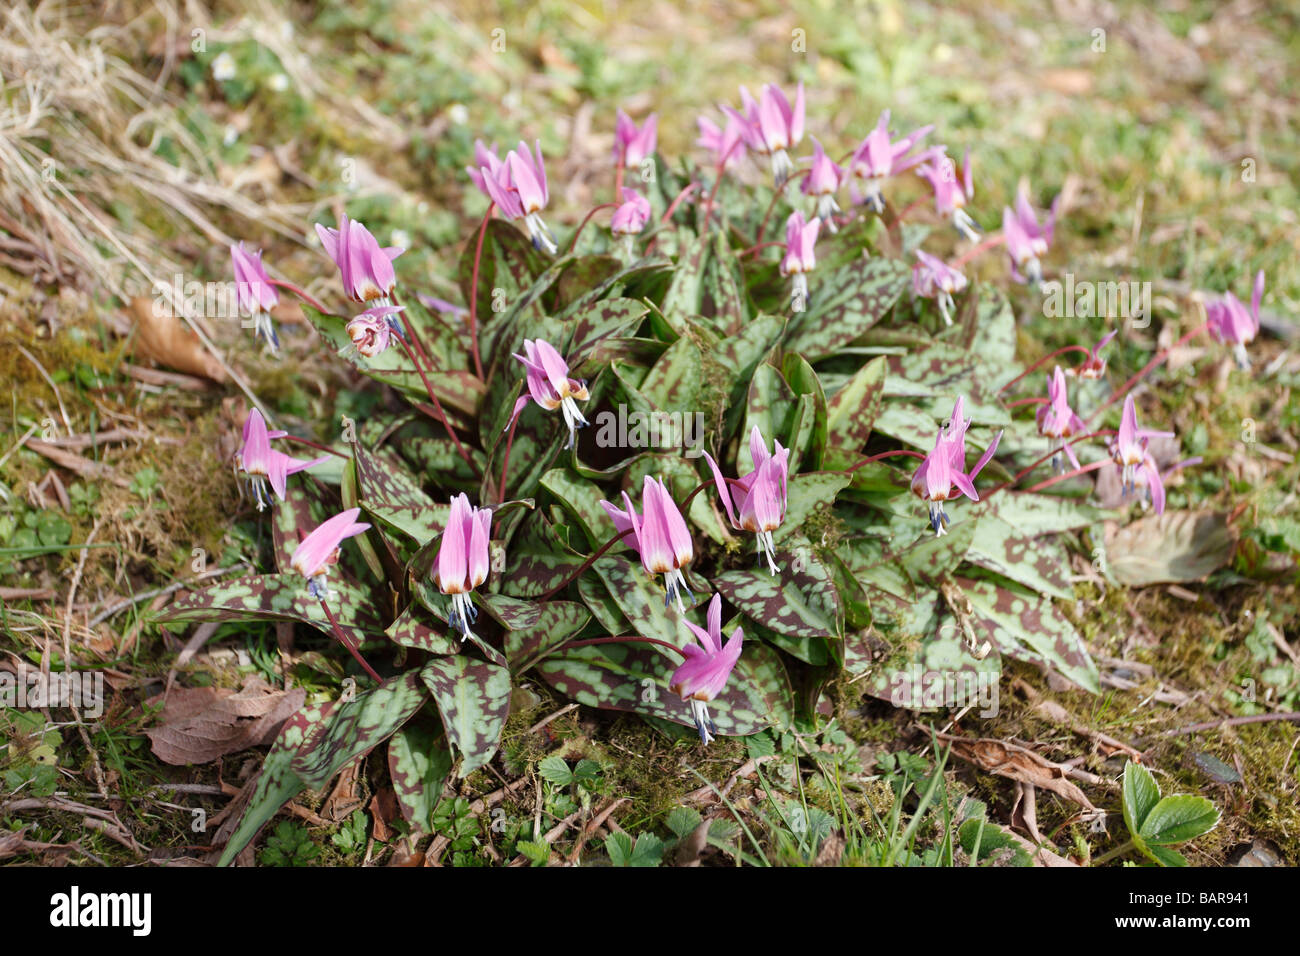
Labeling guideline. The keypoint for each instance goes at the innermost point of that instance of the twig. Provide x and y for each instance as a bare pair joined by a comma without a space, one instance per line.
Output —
158,592
1233,722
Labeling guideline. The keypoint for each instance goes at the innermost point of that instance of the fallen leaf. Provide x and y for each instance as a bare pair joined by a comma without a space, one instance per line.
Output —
1174,546
163,337
200,724
1017,763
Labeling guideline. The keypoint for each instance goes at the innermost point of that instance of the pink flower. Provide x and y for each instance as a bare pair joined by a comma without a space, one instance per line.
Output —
726,144
757,501
372,330
365,268
702,676
1027,243
261,463
942,475
518,186
549,385
486,165
632,145
1056,420
320,549
1094,366
463,562
630,217
800,255
257,296
661,537
1129,451
951,192
771,126
1230,322
878,158
823,181
932,278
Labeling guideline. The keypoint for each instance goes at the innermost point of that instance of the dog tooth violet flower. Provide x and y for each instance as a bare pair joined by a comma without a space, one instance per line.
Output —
877,158
772,126
365,267
630,218
262,464
463,560
257,296
757,501
517,184
800,255
942,476
952,192
1027,242
632,144
1057,421
704,673
1129,450
1229,321
659,536
549,385
932,278
320,549
1094,366
727,144
372,330
823,182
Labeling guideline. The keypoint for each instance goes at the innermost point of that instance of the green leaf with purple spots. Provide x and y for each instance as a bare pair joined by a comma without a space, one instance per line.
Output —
511,613
388,492
642,600
807,493
419,763
933,556
851,411
557,623
844,304
1039,563
537,560
474,700
419,628
800,601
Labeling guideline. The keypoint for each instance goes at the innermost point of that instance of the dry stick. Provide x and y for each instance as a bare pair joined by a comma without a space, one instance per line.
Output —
473,290
95,765
50,382
573,244
437,405
159,592
1052,454
352,649
1045,358
1160,357
762,229
1233,722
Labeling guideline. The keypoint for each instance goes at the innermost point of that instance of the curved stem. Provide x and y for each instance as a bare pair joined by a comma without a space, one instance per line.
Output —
473,289
691,497
1045,358
717,181
677,201
437,405
1069,474
573,244
996,239
1160,357
762,229
352,648
884,454
318,447
1110,855
1051,454
301,293
505,463
762,245
592,559
1039,400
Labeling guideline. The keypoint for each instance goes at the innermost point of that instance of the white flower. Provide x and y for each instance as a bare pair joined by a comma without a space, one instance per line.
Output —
279,82
458,113
223,67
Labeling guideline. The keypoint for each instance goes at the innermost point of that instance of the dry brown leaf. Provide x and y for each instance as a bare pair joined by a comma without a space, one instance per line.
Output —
1174,546
1017,763
201,724
163,337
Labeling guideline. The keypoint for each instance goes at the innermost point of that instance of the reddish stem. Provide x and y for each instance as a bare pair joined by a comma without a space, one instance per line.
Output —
762,245
583,225
1039,400
437,405
311,300
505,464
1069,474
717,181
592,559
473,291
678,200
884,454
762,229
312,444
1160,357
618,179
352,648
1051,454
996,239
1045,358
